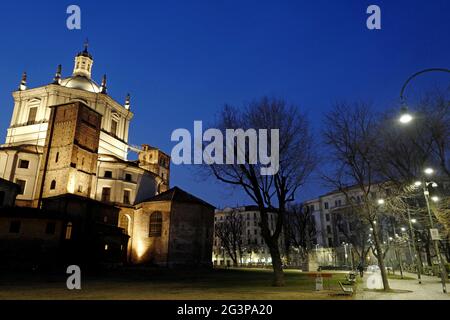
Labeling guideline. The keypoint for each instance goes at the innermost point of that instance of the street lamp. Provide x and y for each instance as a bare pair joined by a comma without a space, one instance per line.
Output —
435,198
426,194
405,116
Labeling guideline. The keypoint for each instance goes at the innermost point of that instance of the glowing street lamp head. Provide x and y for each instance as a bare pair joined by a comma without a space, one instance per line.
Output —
413,220
403,229
428,171
381,201
435,198
405,118
417,184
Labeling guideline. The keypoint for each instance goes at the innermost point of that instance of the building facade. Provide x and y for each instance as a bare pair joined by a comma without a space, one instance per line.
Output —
66,156
254,248
72,128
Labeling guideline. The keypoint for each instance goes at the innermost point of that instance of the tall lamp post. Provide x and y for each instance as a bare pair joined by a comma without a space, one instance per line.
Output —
426,194
413,239
405,118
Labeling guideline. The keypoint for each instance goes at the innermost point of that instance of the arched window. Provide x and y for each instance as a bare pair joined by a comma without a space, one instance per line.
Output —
53,185
69,231
155,225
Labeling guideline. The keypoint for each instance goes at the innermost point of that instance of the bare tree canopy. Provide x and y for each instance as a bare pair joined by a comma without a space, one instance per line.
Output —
271,193
351,134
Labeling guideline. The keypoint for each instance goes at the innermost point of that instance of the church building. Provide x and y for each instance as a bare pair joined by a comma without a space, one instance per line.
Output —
70,137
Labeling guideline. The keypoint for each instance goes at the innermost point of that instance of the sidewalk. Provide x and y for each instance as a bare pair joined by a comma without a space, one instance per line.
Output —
430,289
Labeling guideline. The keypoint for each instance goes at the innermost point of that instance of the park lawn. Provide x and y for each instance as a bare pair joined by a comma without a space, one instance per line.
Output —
239,284
398,277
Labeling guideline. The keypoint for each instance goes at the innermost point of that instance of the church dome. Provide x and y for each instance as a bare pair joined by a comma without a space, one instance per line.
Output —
82,83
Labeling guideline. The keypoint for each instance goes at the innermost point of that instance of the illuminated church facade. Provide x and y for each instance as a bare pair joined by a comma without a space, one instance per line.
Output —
70,137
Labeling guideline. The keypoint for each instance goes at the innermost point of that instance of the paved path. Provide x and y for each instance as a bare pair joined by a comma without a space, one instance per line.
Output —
430,289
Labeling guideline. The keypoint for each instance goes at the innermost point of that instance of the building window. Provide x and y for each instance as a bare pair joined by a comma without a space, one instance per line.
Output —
80,188
50,228
114,127
155,225
32,115
126,196
24,164
14,227
57,157
327,217
326,205
328,229
108,174
128,177
53,185
106,194
68,231
22,184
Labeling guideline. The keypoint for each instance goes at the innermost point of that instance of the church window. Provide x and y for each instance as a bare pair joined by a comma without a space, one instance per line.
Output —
22,184
57,157
24,164
126,196
32,115
155,225
114,127
50,228
128,177
108,174
68,231
53,185
106,194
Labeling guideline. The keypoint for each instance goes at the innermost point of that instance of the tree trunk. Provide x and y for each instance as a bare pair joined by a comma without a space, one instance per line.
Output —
428,254
277,265
380,258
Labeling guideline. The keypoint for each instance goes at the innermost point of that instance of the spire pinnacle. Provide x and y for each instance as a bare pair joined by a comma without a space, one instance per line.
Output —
23,82
127,102
103,87
57,78
86,45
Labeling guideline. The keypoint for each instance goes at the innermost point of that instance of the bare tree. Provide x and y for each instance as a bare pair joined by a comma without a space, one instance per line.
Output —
355,230
271,193
230,232
351,135
300,231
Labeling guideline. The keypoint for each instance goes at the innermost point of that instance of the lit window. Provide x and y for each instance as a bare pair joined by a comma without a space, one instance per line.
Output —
69,231
155,225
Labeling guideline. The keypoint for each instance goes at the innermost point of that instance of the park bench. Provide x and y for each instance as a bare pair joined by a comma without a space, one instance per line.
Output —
346,290
350,278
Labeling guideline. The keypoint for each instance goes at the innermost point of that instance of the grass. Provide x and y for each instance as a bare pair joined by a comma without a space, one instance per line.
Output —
156,284
398,277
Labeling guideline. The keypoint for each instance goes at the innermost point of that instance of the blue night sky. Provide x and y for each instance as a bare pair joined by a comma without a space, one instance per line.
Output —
182,60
